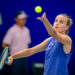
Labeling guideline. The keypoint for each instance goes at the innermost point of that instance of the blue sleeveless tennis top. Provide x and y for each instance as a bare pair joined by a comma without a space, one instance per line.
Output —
56,60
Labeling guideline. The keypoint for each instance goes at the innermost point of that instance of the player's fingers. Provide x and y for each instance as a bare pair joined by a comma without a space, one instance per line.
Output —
10,62
39,18
44,14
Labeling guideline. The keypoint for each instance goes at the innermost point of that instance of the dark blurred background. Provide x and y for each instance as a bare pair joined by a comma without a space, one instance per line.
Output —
8,8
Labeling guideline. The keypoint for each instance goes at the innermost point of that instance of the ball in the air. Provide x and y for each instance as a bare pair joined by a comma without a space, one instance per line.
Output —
38,9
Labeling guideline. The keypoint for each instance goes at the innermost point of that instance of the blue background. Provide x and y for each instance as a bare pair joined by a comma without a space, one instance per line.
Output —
8,8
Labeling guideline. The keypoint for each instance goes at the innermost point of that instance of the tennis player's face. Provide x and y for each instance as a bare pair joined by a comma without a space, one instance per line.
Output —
60,24
21,21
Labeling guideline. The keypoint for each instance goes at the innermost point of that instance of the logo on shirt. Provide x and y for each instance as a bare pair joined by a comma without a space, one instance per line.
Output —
51,44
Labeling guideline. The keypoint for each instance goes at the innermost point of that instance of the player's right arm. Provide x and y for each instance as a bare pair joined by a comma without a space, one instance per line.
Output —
29,52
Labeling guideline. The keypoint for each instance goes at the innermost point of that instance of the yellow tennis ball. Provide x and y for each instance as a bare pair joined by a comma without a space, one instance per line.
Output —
38,9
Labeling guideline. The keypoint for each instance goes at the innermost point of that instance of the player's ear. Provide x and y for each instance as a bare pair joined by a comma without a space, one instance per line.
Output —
66,28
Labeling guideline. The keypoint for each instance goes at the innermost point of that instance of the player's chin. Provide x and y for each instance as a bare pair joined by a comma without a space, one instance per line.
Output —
58,30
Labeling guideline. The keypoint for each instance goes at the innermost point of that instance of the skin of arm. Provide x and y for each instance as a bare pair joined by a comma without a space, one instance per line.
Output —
64,39
31,51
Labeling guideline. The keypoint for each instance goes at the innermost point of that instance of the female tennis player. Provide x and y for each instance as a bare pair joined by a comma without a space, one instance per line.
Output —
58,47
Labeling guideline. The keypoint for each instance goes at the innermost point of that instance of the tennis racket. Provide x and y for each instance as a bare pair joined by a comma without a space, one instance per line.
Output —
4,57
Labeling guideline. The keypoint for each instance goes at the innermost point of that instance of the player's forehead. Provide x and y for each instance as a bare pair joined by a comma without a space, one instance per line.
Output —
61,17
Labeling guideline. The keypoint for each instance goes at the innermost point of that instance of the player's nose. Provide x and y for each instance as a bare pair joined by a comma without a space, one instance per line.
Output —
56,24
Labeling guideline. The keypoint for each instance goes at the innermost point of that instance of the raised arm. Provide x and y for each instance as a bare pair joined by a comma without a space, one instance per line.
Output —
64,39
51,31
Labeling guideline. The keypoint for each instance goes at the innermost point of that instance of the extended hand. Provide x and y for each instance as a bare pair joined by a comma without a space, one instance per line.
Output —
43,18
10,59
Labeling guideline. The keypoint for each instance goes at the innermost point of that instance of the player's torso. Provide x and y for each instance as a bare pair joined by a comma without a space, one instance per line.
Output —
54,58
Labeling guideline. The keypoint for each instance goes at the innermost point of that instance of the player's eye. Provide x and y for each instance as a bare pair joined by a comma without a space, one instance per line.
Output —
61,21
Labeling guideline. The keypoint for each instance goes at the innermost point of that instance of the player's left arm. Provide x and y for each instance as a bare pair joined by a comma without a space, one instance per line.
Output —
64,39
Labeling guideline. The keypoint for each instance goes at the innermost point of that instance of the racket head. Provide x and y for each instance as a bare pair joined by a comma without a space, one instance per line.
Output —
4,57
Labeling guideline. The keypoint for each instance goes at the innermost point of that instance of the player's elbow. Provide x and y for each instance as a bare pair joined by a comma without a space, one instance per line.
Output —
67,51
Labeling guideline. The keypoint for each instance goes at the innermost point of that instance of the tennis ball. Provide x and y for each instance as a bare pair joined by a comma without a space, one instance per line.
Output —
38,9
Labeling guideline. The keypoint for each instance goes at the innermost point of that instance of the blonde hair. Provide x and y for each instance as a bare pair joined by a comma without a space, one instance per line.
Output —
69,21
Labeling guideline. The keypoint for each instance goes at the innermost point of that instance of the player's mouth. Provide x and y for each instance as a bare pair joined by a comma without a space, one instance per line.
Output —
56,27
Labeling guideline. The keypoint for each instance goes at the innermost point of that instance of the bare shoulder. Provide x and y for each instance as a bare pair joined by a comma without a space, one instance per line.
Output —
45,41
68,45
44,44
48,38
68,39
